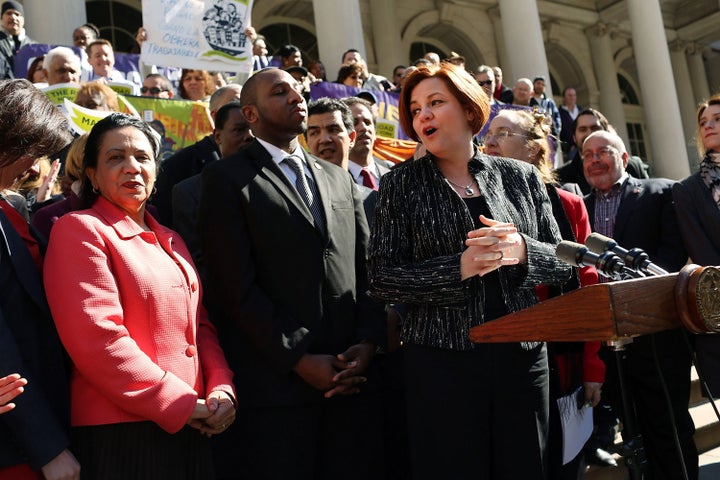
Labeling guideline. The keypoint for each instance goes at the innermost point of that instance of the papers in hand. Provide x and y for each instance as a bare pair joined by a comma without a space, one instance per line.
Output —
576,418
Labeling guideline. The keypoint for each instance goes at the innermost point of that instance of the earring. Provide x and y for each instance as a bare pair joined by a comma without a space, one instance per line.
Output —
95,190
154,191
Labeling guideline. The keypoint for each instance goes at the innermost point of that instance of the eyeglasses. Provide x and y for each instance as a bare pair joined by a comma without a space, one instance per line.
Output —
604,154
482,83
153,90
500,136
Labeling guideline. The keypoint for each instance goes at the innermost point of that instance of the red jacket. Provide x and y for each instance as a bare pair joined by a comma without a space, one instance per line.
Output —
127,306
577,214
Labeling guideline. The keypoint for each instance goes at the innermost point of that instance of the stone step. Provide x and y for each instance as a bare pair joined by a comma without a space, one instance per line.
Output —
707,440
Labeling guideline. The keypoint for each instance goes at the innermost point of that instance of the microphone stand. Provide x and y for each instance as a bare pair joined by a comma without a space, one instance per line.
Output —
633,449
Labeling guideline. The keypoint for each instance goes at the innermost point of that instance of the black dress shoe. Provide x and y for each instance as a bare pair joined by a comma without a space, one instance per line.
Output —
600,458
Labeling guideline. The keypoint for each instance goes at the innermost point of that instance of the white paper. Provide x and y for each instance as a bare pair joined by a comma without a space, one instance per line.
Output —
204,34
577,424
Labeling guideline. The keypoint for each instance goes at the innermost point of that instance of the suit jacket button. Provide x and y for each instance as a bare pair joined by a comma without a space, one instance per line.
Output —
191,351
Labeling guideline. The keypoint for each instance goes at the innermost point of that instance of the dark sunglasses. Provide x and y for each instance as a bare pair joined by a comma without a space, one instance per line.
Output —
482,83
153,90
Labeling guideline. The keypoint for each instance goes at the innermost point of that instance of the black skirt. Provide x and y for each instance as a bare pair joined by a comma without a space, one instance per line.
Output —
140,451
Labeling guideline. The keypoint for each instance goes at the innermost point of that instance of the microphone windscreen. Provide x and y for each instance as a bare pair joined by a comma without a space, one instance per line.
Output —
568,252
599,243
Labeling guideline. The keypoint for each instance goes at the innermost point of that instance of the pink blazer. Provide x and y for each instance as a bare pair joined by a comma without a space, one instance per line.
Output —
127,306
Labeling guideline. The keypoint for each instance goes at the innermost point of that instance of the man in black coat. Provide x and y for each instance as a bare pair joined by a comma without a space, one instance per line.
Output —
587,122
190,160
287,288
640,213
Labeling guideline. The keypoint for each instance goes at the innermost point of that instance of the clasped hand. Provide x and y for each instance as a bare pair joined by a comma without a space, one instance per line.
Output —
491,247
214,414
337,375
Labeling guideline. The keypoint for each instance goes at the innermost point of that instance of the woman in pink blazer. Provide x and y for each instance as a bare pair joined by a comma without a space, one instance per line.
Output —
149,380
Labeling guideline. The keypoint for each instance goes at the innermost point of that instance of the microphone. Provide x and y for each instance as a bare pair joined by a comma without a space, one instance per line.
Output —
607,263
635,259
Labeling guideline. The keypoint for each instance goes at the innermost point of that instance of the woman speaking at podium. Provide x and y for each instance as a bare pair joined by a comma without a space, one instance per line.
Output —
462,238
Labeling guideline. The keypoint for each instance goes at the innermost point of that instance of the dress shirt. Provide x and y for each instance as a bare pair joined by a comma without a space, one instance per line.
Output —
355,170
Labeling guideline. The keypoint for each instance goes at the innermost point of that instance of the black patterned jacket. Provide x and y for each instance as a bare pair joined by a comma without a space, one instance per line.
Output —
421,224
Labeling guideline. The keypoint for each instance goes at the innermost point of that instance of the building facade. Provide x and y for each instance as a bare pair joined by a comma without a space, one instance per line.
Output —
644,63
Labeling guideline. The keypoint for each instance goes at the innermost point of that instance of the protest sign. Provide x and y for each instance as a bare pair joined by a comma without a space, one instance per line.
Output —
207,35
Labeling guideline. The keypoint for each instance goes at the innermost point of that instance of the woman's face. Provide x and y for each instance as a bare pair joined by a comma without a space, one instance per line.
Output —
514,145
709,128
125,171
194,85
354,80
440,121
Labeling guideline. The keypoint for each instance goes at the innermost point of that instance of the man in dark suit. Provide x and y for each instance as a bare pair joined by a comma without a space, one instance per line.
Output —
363,166
587,122
287,289
640,213
231,133
190,160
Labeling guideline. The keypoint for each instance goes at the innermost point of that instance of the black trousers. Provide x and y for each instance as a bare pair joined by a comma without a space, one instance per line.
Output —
480,414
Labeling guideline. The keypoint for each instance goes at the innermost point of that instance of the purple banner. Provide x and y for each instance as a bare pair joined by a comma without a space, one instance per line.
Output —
124,62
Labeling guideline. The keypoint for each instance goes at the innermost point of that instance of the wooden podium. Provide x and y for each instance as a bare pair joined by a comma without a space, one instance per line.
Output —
616,310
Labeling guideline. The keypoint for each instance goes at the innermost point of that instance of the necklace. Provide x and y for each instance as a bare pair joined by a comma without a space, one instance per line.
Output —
468,189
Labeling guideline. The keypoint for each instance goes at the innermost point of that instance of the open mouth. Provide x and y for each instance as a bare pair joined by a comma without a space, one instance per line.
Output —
429,131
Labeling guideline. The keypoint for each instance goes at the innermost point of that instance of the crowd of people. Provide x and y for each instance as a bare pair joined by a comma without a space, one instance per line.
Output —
276,302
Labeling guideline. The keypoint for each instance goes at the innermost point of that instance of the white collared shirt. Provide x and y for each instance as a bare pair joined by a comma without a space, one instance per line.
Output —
355,170
279,155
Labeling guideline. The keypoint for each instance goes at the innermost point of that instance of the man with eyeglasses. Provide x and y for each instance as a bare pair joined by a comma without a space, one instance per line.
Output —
485,77
588,121
157,86
640,213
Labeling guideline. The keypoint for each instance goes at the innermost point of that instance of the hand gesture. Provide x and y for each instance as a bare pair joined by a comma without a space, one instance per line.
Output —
10,387
492,247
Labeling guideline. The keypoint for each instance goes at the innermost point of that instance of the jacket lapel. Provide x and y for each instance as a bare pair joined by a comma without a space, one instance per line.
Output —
323,187
629,196
23,263
274,174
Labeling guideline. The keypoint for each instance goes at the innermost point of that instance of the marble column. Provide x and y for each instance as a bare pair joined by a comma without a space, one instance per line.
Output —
503,62
657,85
698,75
53,22
338,28
386,37
524,41
685,95
610,101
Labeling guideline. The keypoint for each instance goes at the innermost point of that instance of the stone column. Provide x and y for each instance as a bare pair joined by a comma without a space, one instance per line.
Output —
338,28
386,37
503,62
657,85
610,102
53,22
698,75
684,94
524,41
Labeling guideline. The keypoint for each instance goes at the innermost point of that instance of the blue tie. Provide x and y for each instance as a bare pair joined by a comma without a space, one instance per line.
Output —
307,191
